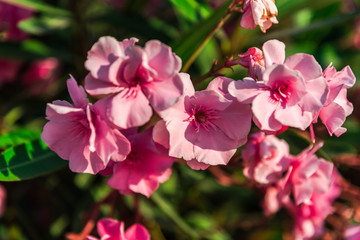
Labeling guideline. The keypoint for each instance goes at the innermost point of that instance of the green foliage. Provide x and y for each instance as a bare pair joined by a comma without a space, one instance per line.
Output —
28,160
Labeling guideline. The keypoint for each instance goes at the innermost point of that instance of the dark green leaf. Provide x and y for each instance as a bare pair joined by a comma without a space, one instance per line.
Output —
188,42
17,137
39,7
191,9
39,26
29,160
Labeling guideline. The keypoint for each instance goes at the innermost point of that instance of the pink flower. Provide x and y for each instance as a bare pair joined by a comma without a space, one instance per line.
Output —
259,12
147,165
309,218
266,158
9,69
10,16
352,232
206,126
78,133
40,75
290,93
2,200
133,78
307,175
253,60
337,107
111,229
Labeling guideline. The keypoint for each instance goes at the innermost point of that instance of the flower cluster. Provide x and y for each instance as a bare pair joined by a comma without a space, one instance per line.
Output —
112,229
205,127
304,184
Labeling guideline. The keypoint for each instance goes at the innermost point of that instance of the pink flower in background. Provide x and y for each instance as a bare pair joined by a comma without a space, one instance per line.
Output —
290,93
147,165
259,12
111,229
206,125
337,107
9,69
307,175
133,77
352,232
253,59
40,75
77,133
10,16
309,218
266,158
2,200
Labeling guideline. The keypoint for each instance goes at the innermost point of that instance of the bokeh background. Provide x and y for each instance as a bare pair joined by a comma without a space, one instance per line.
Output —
43,41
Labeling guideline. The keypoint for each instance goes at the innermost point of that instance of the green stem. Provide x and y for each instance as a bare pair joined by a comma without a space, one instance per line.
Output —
221,23
173,215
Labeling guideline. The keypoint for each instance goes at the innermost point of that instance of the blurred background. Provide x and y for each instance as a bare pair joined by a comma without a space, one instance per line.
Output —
43,41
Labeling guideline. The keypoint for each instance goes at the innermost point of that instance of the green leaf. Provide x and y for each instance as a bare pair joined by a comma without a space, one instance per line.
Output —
39,26
191,9
326,23
17,137
188,42
31,49
39,6
28,160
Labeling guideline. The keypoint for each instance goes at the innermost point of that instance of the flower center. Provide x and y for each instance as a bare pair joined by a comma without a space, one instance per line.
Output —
202,117
281,93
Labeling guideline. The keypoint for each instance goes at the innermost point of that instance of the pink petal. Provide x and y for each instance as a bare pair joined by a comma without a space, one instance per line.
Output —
98,87
163,94
179,146
111,227
194,164
214,147
161,134
305,64
294,117
105,51
162,59
263,108
274,52
333,117
137,232
239,113
119,179
77,93
128,110
247,20
317,92
209,99
245,90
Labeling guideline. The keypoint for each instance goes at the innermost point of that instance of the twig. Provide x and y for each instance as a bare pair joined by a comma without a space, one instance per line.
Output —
222,21
94,213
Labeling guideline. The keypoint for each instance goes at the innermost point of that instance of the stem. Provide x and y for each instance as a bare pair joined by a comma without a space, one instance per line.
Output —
173,215
137,208
221,23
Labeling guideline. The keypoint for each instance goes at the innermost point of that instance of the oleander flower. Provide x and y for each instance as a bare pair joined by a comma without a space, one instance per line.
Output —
253,60
307,175
206,126
79,134
133,77
352,232
259,12
147,165
266,158
290,93
337,107
10,17
111,229
309,218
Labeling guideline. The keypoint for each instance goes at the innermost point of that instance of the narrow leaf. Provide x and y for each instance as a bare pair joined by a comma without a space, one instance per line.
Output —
28,160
